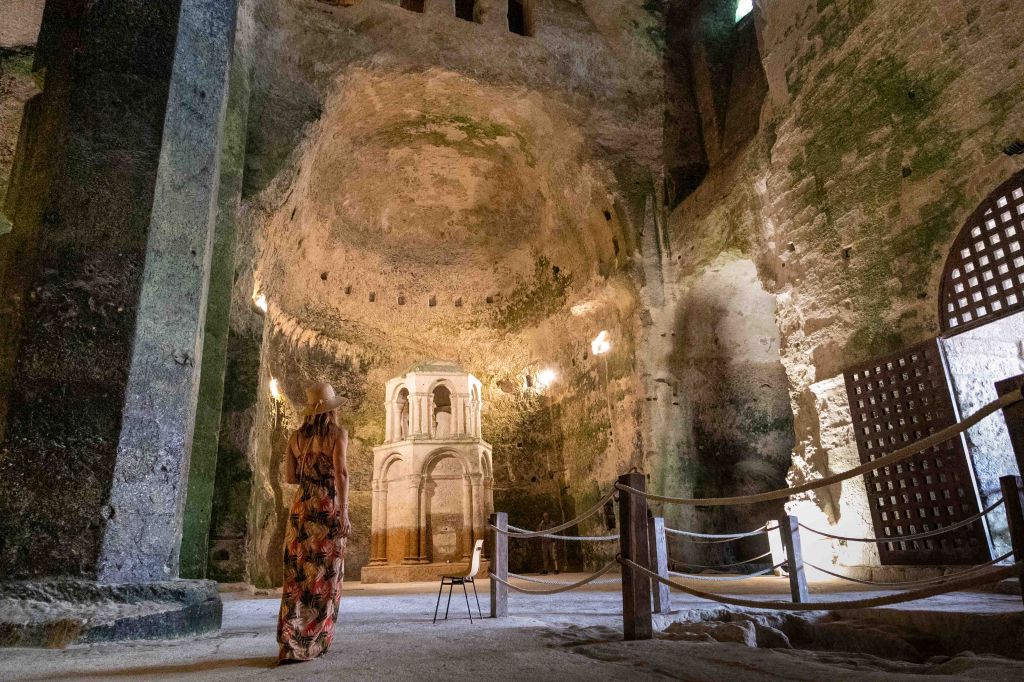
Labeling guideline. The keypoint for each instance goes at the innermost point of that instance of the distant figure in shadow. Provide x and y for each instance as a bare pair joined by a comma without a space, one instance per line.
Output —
314,545
548,546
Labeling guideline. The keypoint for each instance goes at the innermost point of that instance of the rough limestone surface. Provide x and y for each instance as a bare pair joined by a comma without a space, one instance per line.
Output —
882,129
19,22
976,359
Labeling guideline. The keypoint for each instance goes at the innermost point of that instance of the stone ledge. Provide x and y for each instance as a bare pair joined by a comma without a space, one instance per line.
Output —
56,613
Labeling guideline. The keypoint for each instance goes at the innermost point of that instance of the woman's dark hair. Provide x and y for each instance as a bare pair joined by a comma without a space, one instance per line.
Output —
319,425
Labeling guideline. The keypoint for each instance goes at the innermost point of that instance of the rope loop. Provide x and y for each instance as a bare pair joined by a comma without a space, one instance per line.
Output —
891,459
963,583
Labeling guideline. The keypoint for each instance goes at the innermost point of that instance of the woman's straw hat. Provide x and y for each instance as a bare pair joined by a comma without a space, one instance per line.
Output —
321,398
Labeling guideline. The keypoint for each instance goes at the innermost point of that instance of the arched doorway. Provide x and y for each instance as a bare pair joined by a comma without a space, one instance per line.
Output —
394,507
447,500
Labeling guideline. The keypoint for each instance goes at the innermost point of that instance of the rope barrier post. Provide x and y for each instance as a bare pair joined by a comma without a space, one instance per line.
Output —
776,547
659,551
789,527
1013,501
634,546
499,565
1014,416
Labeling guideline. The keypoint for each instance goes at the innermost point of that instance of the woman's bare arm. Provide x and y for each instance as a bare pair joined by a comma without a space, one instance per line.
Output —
290,469
341,479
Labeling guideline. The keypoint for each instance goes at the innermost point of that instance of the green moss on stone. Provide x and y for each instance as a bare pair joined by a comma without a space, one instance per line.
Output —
472,135
531,302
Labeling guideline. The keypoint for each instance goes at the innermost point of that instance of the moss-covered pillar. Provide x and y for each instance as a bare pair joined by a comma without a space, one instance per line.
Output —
143,531
206,438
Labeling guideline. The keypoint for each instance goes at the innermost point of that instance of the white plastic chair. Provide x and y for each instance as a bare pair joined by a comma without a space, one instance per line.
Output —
452,580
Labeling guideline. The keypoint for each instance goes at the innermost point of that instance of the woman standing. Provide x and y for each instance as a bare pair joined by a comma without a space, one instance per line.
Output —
314,544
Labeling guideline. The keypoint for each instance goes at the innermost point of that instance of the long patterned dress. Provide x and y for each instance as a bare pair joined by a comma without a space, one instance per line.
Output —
314,554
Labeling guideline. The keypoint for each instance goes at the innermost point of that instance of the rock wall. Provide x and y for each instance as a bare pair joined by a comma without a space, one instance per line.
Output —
883,127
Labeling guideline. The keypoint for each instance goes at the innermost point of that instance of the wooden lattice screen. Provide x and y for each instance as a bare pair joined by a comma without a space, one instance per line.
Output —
984,274
895,401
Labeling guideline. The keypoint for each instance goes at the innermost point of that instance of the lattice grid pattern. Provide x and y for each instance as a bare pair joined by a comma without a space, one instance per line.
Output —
895,401
984,273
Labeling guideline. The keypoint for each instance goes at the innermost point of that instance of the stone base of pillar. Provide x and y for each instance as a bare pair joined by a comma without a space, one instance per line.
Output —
403,573
55,613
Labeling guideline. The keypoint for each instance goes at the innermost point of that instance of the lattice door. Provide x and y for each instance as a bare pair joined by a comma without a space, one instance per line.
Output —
895,401
984,274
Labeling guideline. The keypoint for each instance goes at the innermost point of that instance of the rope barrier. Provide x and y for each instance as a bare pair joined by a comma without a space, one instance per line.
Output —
886,600
568,524
915,536
713,538
924,581
544,581
735,563
728,577
575,538
892,458
565,588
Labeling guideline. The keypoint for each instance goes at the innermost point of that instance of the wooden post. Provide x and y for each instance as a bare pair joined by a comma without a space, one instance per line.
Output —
659,559
1014,416
499,565
789,528
634,545
1013,502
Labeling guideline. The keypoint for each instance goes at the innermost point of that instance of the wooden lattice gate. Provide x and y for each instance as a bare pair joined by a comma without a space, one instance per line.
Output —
895,401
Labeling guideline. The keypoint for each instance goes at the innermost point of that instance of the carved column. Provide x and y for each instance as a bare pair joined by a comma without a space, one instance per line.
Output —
479,510
412,528
426,489
468,522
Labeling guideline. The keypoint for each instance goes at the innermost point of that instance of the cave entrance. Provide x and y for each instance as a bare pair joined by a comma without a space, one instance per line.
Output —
413,5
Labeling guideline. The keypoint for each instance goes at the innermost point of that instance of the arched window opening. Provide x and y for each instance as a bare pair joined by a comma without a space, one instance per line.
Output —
442,412
984,274
519,20
465,9
413,5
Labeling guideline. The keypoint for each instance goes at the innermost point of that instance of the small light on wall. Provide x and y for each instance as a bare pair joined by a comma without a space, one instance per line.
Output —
601,344
260,301
275,389
546,377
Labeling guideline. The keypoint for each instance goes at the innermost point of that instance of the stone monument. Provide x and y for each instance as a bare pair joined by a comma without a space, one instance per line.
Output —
432,477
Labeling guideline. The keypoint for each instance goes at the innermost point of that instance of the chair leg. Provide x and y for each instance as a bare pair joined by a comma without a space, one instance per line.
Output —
438,604
451,586
468,610
478,611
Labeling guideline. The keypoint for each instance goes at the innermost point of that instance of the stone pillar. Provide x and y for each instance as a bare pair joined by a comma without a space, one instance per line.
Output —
424,507
389,421
468,524
479,514
412,528
143,532
95,487
375,522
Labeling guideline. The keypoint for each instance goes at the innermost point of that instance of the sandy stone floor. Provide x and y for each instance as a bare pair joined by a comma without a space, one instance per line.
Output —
386,633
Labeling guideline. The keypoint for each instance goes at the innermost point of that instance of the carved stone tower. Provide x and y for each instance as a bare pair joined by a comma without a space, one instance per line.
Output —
432,477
